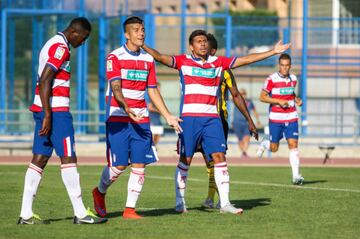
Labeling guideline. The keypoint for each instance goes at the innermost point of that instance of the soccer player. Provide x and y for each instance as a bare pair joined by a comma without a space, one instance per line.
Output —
240,125
279,92
53,123
200,79
227,83
130,71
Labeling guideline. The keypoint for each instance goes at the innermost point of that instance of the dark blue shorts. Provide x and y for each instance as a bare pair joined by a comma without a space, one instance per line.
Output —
241,130
61,137
129,143
206,131
279,130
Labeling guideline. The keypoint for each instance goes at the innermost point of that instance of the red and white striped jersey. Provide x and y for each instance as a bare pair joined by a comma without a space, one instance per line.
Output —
136,70
280,87
200,83
56,54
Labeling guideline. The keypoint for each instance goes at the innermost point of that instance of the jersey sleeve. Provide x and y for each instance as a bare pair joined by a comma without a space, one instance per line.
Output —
58,54
227,62
113,70
178,61
268,85
151,81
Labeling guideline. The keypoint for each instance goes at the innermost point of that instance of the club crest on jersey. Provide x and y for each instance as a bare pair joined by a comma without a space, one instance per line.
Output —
109,65
59,53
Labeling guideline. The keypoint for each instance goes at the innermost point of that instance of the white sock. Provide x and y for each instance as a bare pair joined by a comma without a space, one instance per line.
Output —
222,180
108,176
135,184
32,181
181,174
294,162
71,181
266,144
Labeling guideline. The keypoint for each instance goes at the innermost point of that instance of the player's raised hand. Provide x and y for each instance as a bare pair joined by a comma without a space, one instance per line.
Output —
133,115
253,131
280,48
173,121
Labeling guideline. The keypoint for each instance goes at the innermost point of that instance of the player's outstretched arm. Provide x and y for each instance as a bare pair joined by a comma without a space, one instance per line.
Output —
119,97
45,91
240,103
164,59
158,101
248,59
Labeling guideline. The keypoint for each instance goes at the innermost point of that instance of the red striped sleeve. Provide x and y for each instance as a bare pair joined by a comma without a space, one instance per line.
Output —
58,53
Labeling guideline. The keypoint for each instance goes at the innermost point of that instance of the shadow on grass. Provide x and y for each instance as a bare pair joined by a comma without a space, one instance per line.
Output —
158,212
314,181
251,203
114,214
57,219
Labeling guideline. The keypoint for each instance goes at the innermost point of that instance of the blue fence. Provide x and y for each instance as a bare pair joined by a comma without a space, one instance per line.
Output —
330,54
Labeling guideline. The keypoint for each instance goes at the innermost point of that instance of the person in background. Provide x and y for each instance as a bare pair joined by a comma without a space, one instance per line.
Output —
241,126
157,129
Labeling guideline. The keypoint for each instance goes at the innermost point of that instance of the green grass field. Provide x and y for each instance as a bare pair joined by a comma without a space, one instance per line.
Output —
327,206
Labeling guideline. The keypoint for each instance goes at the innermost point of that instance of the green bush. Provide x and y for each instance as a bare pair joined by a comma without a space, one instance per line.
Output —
249,28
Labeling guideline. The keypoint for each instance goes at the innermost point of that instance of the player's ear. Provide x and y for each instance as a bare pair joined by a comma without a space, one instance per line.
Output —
127,36
191,48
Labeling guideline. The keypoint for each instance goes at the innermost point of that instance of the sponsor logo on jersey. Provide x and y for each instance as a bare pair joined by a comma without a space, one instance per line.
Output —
59,53
137,75
208,73
287,91
109,66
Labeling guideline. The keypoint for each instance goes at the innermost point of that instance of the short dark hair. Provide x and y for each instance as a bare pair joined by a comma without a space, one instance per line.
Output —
212,41
195,34
81,23
132,20
285,56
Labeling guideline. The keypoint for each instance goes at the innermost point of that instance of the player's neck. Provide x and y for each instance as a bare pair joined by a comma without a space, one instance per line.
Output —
197,57
284,76
132,47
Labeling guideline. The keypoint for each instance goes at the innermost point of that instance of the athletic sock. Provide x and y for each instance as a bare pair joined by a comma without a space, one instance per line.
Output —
222,180
135,184
212,184
294,162
108,176
181,174
266,144
32,181
71,181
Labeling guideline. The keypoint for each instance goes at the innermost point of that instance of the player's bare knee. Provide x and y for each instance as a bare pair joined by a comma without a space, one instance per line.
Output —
292,143
274,147
218,157
120,167
185,160
40,160
67,160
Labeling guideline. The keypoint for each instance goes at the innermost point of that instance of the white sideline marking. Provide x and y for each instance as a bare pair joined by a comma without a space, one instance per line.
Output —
268,185
237,182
